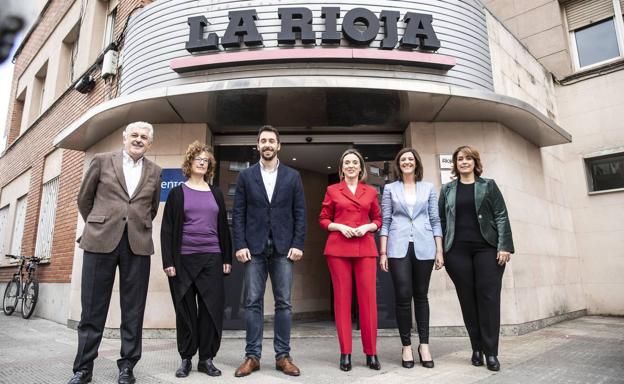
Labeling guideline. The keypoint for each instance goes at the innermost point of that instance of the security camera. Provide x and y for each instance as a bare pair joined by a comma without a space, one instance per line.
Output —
85,84
309,139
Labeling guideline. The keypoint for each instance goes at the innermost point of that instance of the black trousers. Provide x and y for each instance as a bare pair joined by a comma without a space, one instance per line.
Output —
410,278
195,327
98,276
478,281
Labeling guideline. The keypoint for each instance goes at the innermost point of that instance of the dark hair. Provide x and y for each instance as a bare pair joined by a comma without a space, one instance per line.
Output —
268,128
418,172
351,151
471,152
194,150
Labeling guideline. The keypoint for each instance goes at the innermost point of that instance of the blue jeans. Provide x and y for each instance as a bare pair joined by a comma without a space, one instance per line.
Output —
279,267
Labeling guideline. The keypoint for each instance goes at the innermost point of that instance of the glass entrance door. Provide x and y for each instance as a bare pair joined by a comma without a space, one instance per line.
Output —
318,165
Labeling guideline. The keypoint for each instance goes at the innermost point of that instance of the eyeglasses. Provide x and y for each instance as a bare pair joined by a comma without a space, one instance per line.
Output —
202,160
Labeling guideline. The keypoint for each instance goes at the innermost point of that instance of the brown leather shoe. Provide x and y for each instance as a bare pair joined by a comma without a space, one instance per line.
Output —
251,364
286,365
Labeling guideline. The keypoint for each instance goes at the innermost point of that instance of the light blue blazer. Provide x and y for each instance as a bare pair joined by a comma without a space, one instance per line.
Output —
397,222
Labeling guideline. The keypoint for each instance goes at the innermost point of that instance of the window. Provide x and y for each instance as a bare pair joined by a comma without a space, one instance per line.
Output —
109,34
238,166
13,198
67,70
18,112
596,31
47,213
375,171
18,227
36,100
231,189
605,172
4,218
40,79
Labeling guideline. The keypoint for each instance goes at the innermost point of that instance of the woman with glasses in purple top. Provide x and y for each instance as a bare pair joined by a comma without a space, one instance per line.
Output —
196,254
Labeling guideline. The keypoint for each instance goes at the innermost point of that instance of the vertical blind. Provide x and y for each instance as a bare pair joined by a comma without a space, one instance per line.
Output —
581,13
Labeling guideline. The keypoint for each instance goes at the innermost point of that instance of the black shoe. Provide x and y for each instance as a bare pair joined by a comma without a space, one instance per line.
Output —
373,362
185,368
81,377
207,367
477,358
426,364
492,363
345,361
126,376
407,363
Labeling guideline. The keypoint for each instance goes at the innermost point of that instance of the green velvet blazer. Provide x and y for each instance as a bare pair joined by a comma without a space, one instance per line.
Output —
490,209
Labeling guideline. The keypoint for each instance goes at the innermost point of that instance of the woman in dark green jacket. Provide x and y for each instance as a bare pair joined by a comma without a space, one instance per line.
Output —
477,245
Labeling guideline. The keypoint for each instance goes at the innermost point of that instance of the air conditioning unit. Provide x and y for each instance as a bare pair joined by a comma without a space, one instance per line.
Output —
109,64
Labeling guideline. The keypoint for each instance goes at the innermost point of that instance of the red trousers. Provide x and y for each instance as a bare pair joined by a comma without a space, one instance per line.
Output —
341,270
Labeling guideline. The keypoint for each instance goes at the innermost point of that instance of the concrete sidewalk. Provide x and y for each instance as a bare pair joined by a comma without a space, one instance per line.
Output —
585,350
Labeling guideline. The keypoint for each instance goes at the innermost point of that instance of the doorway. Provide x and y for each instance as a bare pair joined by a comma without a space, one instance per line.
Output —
316,158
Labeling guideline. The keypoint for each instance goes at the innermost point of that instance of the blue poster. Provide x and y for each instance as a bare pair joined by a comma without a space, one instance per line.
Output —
171,177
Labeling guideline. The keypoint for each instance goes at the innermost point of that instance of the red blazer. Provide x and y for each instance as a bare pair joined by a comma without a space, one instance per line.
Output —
342,207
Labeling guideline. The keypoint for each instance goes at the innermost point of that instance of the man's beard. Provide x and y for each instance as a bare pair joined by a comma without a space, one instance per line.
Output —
269,157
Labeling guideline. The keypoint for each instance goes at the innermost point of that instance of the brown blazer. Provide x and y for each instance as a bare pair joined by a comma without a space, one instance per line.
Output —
106,208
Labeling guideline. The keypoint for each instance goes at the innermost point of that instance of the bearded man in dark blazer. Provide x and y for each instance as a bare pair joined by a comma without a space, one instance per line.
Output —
269,225
118,200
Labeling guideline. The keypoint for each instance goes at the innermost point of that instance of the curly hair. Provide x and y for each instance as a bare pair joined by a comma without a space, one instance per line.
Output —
351,151
194,150
418,170
470,152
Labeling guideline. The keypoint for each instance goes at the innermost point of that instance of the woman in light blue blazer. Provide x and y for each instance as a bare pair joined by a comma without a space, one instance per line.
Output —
411,243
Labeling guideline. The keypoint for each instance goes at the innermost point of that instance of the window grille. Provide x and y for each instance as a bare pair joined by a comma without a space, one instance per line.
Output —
47,213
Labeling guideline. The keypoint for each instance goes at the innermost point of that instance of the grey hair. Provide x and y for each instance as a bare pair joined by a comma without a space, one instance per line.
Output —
140,125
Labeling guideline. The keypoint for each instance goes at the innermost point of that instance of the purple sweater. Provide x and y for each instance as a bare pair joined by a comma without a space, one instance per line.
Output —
199,230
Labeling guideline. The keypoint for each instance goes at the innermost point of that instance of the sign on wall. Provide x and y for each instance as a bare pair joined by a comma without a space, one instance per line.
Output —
446,166
359,27
170,178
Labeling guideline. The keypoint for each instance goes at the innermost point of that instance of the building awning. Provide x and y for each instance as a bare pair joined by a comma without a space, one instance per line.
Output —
311,104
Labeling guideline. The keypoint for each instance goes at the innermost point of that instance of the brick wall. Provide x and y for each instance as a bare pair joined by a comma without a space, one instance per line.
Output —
29,150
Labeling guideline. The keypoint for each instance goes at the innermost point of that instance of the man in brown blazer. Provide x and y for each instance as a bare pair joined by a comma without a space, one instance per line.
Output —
118,200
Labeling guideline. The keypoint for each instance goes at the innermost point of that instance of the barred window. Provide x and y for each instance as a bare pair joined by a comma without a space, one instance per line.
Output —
47,213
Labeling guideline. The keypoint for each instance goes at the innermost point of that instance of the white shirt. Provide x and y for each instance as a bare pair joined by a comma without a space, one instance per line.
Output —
269,178
410,201
132,172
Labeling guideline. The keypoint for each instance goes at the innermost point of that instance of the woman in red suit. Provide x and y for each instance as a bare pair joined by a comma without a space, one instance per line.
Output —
351,214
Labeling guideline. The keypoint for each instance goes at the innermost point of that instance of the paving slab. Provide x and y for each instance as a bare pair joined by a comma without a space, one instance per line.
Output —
587,350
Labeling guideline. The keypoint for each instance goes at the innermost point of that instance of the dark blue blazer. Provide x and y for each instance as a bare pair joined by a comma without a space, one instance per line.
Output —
253,215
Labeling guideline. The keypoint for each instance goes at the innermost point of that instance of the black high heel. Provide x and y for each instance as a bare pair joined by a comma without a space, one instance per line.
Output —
407,363
426,364
373,362
477,358
345,362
